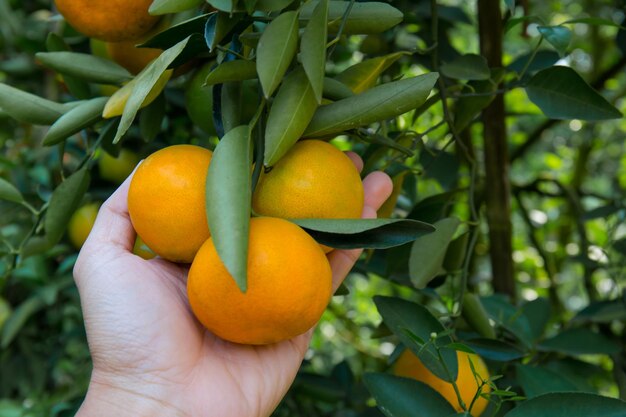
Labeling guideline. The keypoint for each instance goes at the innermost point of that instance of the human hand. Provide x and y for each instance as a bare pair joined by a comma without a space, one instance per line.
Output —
151,356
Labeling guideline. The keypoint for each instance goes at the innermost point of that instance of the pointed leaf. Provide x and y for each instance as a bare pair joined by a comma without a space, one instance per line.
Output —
362,76
509,317
495,350
64,201
561,93
313,48
8,192
78,88
537,312
159,7
276,49
364,18
558,36
468,107
428,252
80,117
237,70
336,90
144,82
364,233
228,187
29,108
290,114
173,35
569,405
231,104
402,397
85,67
536,381
580,341
467,67
404,318
379,103
218,25
151,118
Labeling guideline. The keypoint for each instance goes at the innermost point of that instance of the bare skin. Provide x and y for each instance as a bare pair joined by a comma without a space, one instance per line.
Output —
150,355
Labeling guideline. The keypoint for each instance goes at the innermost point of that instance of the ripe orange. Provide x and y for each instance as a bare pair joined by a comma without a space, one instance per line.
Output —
117,169
108,20
313,180
166,201
289,286
130,57
409,365
81,223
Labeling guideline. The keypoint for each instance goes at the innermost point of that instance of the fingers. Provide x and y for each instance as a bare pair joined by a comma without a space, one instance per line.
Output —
356,160
377,187
113,228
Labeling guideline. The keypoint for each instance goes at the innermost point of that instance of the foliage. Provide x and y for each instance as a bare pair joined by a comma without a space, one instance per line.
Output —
513,155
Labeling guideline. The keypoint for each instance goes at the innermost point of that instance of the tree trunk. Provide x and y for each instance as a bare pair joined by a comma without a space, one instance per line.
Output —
497,184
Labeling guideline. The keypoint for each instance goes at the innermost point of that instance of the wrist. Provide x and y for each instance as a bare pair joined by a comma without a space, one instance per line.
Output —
121,399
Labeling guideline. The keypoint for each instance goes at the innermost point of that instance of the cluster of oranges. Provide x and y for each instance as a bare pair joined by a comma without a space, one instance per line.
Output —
289,277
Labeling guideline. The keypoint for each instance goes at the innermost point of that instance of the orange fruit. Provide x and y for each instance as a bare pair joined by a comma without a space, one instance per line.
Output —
166,201
81,223
289,286
130,57
108,20
313,180
117,169
408,365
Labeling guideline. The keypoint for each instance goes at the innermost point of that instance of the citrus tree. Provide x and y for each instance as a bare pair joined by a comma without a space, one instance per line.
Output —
496,264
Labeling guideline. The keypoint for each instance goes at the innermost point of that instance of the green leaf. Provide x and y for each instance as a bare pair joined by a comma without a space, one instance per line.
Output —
405,318
313,48
291,112
29,108
64,201
228,190
80,117
403,397
78,88
455,254
365,18
218,25
276,49
362,76
379,103
569,405
151,118
231,105
179,32
229,6
144,82
538,314
272,5
603,312
428,252
558,36
335,90
468,107
467,67
8,192
580,341
364,233
536,381
85,67
237,70
495,350
18,318
159,7
475,315
561,93
509,317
